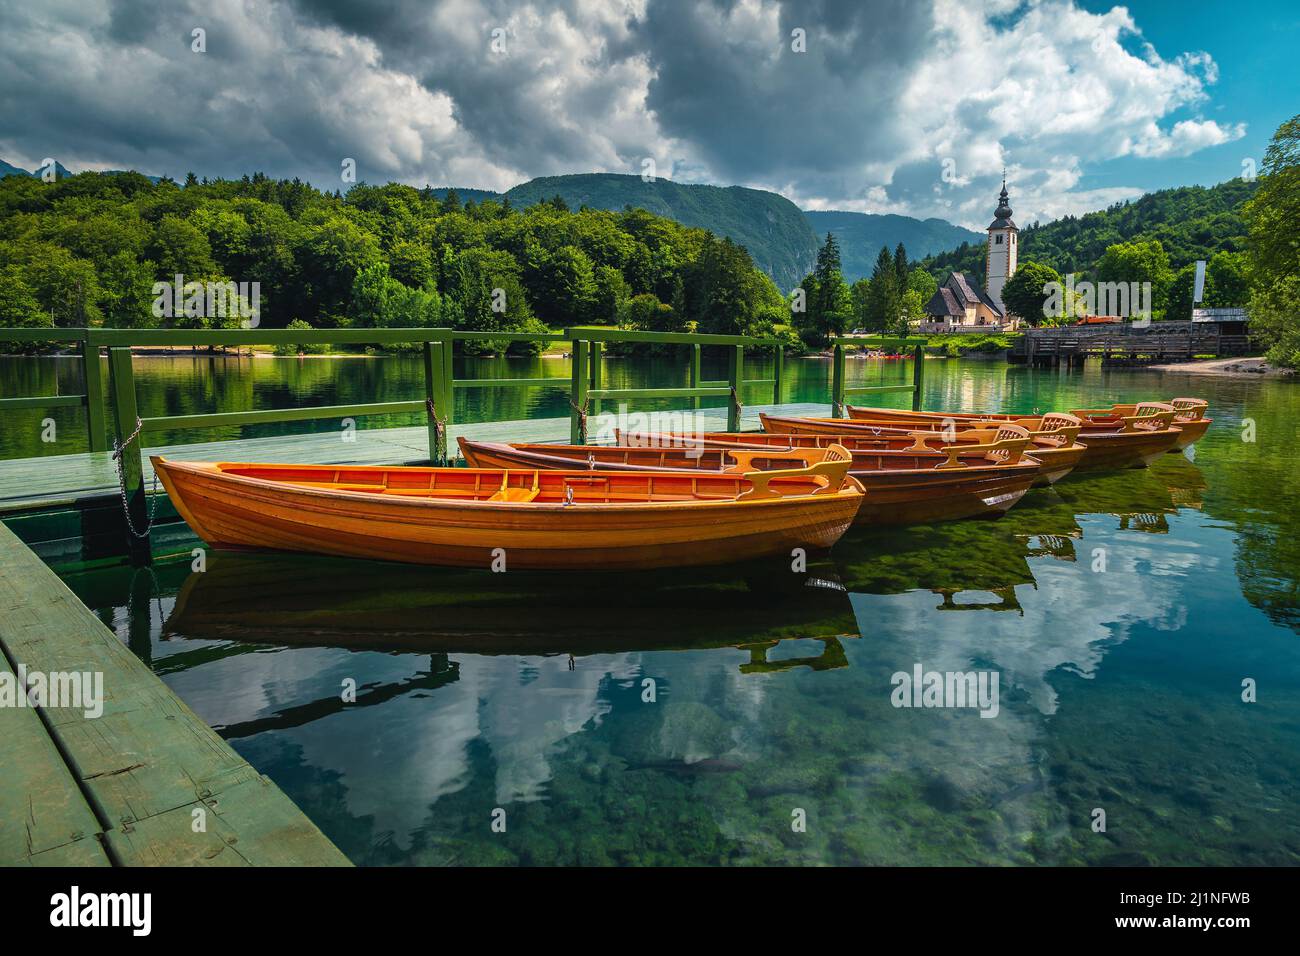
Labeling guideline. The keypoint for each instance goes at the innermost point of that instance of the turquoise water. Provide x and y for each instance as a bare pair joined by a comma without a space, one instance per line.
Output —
523,698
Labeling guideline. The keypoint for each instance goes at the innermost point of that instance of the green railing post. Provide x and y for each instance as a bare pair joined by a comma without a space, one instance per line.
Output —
837,382
694,376
435,392
594,378
778,360
736,379
130,466
578,394
918,376
94,395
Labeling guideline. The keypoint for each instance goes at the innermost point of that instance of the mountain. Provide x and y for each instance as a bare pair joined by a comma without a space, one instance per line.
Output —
466,194
861,235
1191,222
772,228
60,171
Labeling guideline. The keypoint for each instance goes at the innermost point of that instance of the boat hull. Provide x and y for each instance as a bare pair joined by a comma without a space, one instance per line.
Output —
1107,448
239,512
1056,461
900,488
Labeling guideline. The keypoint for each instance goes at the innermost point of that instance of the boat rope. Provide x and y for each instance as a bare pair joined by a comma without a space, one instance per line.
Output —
591,461
582,418
735,400
839,409
119,448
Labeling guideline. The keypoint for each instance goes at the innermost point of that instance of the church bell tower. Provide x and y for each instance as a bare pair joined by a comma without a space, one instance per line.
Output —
1000,264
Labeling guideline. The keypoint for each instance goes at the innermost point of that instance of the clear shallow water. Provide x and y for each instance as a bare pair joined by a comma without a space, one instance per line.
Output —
1120,689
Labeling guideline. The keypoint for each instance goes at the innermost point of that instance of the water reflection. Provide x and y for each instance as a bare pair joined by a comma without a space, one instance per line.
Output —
1096,601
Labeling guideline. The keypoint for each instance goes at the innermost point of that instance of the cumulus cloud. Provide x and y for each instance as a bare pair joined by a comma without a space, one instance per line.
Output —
890,106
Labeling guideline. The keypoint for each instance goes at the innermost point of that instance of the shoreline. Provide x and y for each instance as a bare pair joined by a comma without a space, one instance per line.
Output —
1256,367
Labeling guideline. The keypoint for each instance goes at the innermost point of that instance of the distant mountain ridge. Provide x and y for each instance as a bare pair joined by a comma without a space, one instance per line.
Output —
771,227
782,239
60,171
861,235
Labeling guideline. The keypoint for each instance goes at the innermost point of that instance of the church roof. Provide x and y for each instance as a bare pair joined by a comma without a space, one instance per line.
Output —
943,302
958,293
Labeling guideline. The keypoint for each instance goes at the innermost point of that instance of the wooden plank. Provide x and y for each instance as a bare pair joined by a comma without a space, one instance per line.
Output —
147,754
93,376
42,401
255,416
42,811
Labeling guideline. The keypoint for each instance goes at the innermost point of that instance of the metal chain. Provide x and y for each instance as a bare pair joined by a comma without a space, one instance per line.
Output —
582,418
119,447
439,424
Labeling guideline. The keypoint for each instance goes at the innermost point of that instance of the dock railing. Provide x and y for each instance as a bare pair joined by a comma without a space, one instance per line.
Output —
587,390
839,386
584,383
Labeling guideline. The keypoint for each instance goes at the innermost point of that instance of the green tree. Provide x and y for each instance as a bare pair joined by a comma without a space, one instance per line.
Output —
1273,217
1138,262
1024,294
884,300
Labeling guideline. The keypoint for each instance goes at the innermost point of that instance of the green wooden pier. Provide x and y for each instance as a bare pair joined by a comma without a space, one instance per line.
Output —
148,782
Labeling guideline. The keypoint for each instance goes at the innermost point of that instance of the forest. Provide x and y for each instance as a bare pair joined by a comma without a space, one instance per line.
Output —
87,250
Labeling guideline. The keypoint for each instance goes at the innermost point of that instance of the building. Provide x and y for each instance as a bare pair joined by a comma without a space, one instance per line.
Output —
1000,263
961,304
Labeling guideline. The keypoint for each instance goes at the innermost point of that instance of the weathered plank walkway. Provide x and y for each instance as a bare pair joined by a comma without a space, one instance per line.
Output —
31,483
126,787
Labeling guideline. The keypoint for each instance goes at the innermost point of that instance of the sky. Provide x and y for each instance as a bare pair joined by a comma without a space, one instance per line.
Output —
891,106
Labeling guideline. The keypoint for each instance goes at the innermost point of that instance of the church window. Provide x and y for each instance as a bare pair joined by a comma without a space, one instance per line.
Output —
999,240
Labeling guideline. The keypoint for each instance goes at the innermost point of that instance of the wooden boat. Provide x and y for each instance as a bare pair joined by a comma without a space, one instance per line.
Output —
1189,418
1052,443
1130,441
911,486
471,517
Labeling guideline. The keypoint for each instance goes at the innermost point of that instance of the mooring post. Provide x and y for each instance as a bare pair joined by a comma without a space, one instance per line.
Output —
837,382
736,379
594,378
96,435
778,360
438,408
578,394
130,465
694,376
918,376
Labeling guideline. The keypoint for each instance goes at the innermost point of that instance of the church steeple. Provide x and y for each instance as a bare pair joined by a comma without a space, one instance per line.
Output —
1000,263
1002,215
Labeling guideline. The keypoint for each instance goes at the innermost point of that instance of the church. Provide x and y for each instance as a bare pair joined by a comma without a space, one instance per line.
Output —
960,303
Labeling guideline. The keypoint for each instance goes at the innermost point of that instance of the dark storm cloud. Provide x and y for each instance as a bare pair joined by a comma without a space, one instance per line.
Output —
710,89
733,85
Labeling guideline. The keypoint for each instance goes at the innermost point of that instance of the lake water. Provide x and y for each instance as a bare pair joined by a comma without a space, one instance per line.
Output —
1121,612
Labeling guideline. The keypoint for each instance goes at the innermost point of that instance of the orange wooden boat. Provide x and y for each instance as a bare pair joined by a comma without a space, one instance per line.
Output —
1052,443
1130,441
539,519
1189,418
910,486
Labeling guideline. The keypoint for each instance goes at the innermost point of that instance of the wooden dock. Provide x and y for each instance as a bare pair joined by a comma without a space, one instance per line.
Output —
1127,344
68,507
146,782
